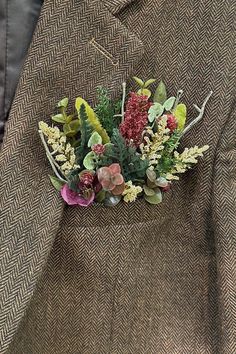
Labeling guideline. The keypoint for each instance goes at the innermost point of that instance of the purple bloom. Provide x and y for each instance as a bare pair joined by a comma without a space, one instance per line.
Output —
73,198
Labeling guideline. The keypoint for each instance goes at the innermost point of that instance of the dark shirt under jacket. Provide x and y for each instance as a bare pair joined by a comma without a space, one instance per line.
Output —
17,22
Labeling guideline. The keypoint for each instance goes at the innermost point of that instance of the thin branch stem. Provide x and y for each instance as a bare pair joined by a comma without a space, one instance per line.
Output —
53,163
200,116
178,97
51,156
123,101
54,168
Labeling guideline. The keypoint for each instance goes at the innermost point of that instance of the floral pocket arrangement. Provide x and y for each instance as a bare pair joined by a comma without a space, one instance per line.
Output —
120,151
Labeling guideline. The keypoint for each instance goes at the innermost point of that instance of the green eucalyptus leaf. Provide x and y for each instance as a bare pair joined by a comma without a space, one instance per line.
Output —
94,139
180,114
138,81
154,199
101,196
168,105
74,125
69,118
111,200
56,182
63,102
59,118
160,95
68,131
161,182
151,184
151,175
89,161
145,92
148,191
155,111
149,82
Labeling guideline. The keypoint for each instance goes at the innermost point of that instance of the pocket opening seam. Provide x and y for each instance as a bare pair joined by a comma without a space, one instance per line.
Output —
104,52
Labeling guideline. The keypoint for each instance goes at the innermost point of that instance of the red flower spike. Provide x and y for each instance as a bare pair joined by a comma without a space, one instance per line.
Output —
136,118
172,123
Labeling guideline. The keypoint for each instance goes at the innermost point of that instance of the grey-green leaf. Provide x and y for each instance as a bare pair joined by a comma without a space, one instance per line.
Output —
160,95
155,111
154,199
56,182
138,81
94,139
149,82
148,191
161,182
151,175
111,200
89,161
59,118
63,102
168,105
100,196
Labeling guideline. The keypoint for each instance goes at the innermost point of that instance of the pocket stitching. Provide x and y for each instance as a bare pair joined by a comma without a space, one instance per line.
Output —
104,52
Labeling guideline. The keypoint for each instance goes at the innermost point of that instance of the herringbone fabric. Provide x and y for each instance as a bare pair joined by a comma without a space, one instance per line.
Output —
136,279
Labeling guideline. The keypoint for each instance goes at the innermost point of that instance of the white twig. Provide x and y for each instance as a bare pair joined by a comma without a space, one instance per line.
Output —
54,168
200,116
178,97
123,101
53,163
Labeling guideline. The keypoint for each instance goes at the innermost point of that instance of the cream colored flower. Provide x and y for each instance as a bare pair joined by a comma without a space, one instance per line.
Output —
131,192
154,142
61,158
170,177
68,148
43,127
61,150
185,160
63,139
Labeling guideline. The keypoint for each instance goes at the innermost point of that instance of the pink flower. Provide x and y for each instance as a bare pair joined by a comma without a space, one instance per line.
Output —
89,180
73,198
99,149
172,123
111,179
86,178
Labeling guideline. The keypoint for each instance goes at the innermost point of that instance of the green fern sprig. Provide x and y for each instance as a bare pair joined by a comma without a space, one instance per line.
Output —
86,132
132,166
106,110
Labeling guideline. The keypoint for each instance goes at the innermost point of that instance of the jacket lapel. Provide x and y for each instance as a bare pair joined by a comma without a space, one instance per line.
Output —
77,46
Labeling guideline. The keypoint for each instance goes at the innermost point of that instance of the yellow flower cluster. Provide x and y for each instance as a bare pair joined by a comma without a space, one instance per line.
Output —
63,151
53,133
154,142
185,160
131,192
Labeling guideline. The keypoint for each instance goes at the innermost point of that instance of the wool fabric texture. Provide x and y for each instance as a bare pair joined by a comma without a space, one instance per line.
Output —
138,278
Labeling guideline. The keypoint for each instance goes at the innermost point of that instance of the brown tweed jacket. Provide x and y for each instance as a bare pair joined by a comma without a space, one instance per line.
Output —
136,279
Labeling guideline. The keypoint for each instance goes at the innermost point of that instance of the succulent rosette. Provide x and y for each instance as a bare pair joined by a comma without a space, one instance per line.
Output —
122,150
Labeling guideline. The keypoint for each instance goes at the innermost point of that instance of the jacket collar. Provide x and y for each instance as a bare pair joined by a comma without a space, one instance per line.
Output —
77,46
